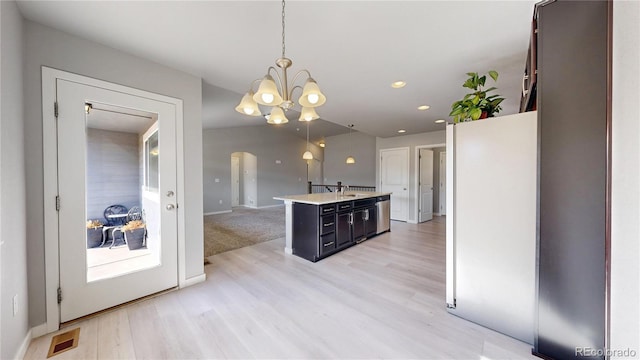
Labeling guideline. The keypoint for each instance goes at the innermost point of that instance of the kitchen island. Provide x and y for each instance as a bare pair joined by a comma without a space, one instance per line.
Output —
319,225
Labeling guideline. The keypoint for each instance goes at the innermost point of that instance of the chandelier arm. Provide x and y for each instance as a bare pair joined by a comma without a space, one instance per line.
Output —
292,89
254,82
275,71
298,74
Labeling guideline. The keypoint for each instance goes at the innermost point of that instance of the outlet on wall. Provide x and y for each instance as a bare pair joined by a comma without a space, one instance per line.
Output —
15,305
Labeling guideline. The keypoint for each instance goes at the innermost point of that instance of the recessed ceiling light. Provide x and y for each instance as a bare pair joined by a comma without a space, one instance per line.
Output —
439,121
423,107
398,84
402,131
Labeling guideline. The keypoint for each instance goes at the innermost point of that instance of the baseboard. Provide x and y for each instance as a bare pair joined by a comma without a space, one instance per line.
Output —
22,350
39,330
269,206
412,222
217,212
437,214
248,206
194,280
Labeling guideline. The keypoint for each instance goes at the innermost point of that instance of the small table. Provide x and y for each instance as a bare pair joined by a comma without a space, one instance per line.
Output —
119,219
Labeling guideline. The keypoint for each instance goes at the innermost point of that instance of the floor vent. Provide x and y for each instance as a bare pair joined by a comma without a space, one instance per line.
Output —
63,342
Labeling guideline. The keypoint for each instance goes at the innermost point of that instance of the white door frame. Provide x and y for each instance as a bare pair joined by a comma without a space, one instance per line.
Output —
235,181
408,173
50,175
442,184
417,177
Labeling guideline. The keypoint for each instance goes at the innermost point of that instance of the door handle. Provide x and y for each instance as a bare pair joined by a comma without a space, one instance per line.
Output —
170,206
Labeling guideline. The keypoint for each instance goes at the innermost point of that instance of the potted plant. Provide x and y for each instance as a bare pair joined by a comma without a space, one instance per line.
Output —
135,232
478,104
94,233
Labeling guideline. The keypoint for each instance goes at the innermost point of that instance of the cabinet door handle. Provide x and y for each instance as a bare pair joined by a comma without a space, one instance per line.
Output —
350,218
328,244
366,214
327,224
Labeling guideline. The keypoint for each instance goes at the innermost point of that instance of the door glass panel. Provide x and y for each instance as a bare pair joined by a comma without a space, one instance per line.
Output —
122,200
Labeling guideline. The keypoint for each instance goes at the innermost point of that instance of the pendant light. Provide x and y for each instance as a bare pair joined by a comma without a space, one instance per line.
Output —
350,159
307,154
279,96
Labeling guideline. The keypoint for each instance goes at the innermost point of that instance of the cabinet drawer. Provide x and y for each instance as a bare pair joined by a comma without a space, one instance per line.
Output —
327,243
327,224
327,209
344,206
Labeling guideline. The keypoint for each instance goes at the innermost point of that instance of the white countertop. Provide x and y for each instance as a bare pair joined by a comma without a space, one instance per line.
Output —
328,198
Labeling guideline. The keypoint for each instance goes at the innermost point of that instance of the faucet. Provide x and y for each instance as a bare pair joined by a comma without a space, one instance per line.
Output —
342,189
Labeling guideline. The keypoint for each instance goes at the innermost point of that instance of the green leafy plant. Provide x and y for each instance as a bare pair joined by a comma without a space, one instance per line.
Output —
478,104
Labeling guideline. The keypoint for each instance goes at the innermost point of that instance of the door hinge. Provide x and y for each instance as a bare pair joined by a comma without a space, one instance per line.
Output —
57,202
55,109
59,295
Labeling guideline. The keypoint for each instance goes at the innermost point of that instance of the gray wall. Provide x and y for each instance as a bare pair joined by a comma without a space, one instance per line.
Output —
13,221
269,144
410,141
359,145
625,206
113,171
56,49
436,179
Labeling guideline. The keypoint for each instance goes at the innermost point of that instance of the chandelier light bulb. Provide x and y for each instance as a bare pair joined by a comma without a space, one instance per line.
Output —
308,114
277,116
313,98
268,98
248,106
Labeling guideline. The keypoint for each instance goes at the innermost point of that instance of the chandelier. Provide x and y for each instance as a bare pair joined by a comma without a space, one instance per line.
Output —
279,98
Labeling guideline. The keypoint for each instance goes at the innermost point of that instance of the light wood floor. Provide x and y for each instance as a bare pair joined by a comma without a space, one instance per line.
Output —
383,298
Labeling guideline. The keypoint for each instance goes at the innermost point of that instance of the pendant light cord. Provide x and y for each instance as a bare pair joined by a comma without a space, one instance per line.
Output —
283,47
307,135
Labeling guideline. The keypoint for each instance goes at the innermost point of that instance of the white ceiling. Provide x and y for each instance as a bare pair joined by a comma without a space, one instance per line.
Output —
354,49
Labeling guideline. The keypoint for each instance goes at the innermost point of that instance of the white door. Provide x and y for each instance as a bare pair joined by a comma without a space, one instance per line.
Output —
443,184
235,181
426,185
394,178
93,278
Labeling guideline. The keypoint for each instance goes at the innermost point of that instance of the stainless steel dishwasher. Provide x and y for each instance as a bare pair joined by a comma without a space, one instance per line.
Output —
383,207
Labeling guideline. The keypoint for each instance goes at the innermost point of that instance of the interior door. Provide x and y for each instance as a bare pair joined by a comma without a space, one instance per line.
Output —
235,181
394,178
97,276
443,184
426,185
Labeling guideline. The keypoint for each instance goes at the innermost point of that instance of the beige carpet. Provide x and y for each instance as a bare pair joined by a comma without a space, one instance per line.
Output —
242,227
